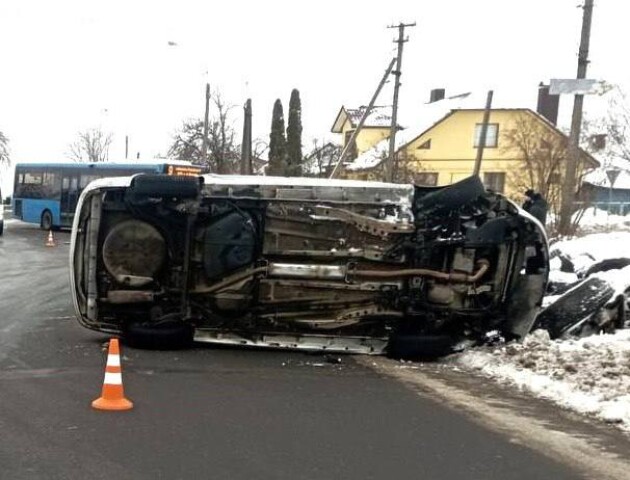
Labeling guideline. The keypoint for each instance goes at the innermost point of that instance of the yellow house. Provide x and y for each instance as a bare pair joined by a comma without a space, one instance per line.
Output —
523,150
375,128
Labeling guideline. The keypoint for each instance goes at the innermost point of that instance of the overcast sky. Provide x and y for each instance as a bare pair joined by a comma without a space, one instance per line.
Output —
139,68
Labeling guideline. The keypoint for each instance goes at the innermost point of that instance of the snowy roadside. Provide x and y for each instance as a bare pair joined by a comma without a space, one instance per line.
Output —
589,375
595,220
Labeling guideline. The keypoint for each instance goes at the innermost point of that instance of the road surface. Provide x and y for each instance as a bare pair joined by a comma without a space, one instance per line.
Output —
220,413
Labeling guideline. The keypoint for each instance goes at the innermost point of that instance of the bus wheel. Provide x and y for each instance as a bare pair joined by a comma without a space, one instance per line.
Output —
47,222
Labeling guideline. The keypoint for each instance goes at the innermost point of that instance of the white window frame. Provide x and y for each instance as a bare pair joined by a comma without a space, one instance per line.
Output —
492,135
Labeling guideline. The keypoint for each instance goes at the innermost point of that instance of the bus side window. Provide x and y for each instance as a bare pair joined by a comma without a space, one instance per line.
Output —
51,186
31,185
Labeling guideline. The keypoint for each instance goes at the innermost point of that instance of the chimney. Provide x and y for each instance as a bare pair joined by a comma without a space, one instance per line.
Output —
547,104
437,94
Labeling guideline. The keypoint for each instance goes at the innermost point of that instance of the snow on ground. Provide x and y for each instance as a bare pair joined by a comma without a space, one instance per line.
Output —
585,251
595,219
619,279
590,375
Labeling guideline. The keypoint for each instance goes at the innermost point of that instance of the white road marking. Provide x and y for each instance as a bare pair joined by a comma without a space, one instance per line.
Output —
580,452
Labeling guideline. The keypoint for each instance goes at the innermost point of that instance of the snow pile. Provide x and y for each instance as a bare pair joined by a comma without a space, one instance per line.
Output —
585,251
597,219
619,279
600,178
558,276
589,375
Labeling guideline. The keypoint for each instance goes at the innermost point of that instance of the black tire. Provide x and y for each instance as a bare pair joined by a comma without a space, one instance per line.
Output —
419,346
46,221
620,305
576,305
452,197
160,336
149,186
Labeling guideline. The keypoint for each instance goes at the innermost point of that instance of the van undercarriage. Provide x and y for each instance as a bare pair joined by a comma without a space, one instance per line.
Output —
303,263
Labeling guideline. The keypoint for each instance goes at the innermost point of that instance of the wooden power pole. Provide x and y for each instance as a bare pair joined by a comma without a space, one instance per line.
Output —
573,152
246,148
366,113
391,165
204,141
483,134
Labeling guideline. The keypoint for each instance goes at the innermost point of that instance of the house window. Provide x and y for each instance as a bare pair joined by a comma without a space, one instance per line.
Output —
494,181
426,178
352,153
598,141
426,145
492,135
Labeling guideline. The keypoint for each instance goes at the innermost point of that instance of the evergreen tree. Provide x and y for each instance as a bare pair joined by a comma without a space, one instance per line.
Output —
277,142
294,135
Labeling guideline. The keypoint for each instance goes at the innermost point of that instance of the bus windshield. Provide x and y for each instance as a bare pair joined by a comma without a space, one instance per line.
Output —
47,193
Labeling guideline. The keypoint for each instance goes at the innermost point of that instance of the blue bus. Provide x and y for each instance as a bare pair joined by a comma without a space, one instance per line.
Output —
47,193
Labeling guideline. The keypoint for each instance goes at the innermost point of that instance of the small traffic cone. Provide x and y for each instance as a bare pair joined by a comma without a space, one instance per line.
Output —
51,241
113,396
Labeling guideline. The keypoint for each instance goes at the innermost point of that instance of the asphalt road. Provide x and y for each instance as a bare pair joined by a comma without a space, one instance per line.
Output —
213,412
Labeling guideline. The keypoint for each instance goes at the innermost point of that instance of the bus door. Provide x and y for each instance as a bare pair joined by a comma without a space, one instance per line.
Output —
69,196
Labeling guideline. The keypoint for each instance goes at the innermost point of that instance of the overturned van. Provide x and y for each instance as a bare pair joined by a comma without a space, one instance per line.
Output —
334,265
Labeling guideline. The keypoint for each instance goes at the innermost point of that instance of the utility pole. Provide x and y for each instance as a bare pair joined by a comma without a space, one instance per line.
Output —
204,142
484,133
366,113
126,146
573,152
392,165
246,148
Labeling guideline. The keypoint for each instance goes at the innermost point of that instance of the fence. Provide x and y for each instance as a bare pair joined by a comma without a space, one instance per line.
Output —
614,208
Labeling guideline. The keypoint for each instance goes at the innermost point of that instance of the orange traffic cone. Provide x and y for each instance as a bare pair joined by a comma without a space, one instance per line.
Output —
113,396
51,241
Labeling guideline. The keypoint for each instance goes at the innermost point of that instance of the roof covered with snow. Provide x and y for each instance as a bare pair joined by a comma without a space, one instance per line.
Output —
379,116
599,176
431,114
422,120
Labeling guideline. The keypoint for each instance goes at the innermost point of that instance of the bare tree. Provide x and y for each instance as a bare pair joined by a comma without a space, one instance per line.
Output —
187,142
613,127
90,146
321,159
542,151
259,152
223,151
4,150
